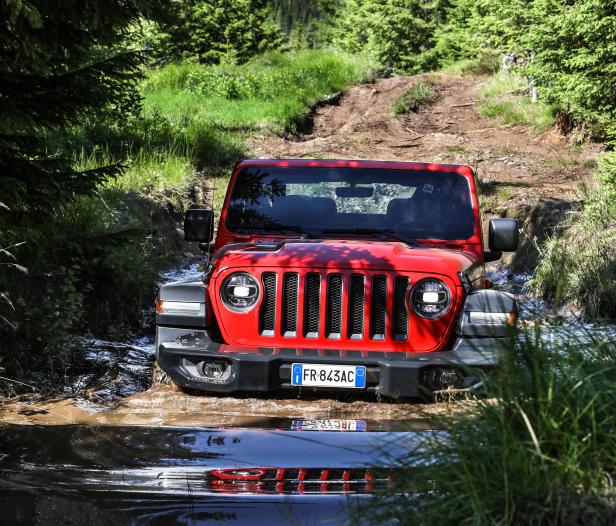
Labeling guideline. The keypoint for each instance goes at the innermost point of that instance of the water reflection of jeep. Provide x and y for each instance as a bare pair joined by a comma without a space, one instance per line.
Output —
365,276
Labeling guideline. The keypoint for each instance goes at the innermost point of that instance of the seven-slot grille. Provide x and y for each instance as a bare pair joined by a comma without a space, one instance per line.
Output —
353,306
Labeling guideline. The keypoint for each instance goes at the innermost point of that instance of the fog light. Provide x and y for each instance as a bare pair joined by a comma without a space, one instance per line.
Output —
448,378
216,371
442,378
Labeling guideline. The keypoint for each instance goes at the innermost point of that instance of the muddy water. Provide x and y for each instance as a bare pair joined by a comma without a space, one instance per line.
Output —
163,475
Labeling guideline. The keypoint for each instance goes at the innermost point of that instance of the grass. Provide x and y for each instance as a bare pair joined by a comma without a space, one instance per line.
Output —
536,448
503,97
579,265
272,92
457,149
417,95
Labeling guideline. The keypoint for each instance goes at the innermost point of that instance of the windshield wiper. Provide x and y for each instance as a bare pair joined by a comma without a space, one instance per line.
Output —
282,229
371,231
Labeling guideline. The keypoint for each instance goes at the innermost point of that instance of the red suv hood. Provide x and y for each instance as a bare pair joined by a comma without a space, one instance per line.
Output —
346,254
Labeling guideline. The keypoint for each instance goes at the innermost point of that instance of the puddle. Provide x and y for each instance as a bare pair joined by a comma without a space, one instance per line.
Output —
134,475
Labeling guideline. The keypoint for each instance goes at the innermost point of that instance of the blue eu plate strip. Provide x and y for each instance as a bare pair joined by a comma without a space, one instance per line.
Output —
297,374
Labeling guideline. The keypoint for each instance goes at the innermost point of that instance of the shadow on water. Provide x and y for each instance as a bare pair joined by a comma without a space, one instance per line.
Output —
142,475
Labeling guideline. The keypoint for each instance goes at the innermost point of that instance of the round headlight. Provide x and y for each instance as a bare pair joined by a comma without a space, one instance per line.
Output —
240,292
430,298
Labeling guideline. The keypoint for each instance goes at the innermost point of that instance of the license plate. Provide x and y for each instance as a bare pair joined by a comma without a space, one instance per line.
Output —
320,375
329,425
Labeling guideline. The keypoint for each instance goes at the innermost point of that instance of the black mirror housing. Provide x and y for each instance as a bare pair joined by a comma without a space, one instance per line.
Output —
199,225
504,235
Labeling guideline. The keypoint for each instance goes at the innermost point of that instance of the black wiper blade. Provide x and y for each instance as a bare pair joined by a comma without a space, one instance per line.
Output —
370,232
283,229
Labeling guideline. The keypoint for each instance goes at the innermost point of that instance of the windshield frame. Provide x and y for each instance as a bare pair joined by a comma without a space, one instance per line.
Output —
226,234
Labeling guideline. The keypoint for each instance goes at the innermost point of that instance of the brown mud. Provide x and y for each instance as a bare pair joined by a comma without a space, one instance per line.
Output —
164,405
533,177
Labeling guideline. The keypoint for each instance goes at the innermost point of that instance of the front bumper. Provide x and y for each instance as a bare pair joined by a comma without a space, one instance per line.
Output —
266,369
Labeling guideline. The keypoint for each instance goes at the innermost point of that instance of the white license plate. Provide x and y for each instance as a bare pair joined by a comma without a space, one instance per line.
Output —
329,425
320,375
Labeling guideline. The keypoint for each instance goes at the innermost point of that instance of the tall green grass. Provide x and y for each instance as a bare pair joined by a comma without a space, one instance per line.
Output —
503,96
538,448
271,92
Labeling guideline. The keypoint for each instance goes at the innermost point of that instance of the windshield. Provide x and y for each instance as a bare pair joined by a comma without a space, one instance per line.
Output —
408,204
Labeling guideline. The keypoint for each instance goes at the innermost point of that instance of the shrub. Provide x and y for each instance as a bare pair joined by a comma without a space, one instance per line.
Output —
574,60
580,266
397,33
413,98
215,31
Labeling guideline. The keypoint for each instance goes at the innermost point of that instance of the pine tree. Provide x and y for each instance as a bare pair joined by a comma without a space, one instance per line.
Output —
215,31
60,61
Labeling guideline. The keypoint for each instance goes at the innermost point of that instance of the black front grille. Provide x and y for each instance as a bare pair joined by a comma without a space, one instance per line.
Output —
378,308
342,319
356,307
290,288
334,306
401,316
312,309
267,317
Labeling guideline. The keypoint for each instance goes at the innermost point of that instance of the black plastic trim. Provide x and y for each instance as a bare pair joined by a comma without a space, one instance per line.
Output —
393,374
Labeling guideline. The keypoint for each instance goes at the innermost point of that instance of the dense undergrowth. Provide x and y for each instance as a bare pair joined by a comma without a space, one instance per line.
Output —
579,264
93,266
536,448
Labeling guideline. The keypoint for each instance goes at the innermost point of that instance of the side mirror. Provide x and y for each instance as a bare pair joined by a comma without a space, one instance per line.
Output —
504,235
199,225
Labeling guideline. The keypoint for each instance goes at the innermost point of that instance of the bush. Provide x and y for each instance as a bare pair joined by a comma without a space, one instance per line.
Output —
413,98
574,60
580,265
215,31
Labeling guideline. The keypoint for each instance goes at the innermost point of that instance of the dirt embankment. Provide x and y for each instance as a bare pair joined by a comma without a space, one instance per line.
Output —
533,177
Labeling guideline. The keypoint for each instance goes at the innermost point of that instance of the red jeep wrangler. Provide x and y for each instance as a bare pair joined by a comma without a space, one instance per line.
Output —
328,274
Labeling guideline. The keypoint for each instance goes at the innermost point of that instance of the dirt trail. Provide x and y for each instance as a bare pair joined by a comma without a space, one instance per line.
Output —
449,129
